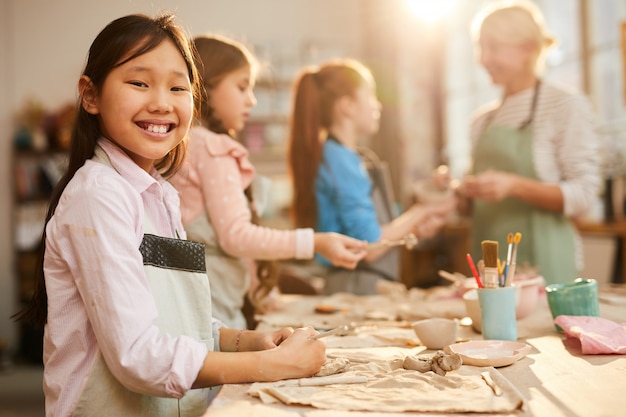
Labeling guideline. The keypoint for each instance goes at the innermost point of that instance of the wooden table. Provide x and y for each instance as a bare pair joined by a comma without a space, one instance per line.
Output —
555,379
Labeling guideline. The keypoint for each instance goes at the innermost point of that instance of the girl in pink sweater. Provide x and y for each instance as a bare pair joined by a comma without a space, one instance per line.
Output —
216,196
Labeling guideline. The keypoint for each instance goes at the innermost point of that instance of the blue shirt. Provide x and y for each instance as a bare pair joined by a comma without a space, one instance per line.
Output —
343,193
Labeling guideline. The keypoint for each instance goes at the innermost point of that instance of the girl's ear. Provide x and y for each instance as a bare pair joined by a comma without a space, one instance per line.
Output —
88,95
344,106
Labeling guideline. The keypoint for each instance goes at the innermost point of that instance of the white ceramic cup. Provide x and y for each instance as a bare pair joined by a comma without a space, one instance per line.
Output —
472,306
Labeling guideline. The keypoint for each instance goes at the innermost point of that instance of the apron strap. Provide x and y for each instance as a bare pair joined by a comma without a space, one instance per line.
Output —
531,116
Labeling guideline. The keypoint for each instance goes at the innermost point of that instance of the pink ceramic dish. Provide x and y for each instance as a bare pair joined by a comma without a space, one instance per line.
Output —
496,353
527,295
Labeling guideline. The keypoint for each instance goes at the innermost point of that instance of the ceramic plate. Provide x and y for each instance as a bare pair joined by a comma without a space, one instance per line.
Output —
494,353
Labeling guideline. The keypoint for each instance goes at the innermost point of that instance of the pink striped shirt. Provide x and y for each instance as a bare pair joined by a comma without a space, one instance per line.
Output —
99,301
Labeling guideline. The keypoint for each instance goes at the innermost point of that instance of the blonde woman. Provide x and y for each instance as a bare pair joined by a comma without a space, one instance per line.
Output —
535,156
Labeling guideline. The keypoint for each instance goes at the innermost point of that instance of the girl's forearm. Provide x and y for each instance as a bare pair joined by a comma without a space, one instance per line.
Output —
398,228
230,368
230,339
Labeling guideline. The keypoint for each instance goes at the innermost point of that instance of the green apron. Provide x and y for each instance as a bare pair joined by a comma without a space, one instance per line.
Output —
548,238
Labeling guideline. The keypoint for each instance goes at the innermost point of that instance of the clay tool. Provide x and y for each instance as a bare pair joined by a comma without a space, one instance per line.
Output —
458,281
409,242
490,257
491,384
337,331
470,261
510,273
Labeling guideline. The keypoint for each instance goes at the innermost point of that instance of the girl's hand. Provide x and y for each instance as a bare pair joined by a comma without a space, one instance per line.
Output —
254,341
340,250
489,185
297,356
262,357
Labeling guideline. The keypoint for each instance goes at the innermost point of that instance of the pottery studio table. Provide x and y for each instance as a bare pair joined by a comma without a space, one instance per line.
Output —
554,379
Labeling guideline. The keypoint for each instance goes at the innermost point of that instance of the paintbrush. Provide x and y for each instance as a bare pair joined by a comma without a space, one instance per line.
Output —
510,273
501,273
509,241
490,257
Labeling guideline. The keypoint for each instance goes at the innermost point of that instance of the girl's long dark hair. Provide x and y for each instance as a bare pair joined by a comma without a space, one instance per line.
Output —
119,42
219,56
316,91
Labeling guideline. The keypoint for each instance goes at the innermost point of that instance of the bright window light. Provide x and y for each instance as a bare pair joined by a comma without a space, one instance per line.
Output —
431,10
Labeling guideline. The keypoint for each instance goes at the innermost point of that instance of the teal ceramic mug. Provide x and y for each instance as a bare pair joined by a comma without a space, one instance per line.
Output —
576,298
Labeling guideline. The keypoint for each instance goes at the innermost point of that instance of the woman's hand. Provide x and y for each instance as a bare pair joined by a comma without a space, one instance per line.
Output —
429,218
489,185
340,250
441,177
428,227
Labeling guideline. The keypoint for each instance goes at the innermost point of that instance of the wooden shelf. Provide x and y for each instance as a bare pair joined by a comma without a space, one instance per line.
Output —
446,250
615,229
35,173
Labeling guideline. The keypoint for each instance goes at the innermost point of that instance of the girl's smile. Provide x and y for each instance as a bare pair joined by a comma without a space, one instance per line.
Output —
156,127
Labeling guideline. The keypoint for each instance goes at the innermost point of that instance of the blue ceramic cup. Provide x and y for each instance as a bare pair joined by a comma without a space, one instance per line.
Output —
576,298
497,306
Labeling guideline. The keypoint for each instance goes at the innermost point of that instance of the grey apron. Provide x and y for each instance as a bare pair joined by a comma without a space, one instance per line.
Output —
183,310
363,279
228,275
548,238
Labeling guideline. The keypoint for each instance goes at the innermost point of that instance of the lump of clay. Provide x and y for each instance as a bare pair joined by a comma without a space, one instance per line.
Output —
439,363
334,366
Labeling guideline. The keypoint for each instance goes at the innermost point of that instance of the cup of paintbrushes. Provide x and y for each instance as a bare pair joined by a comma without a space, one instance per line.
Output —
497,303
497,311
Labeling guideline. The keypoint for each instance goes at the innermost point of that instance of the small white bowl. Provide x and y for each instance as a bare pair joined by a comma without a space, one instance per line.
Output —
468,284
437,332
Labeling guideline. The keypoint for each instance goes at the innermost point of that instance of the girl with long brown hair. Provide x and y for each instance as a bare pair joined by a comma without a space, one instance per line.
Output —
215,186
335,108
